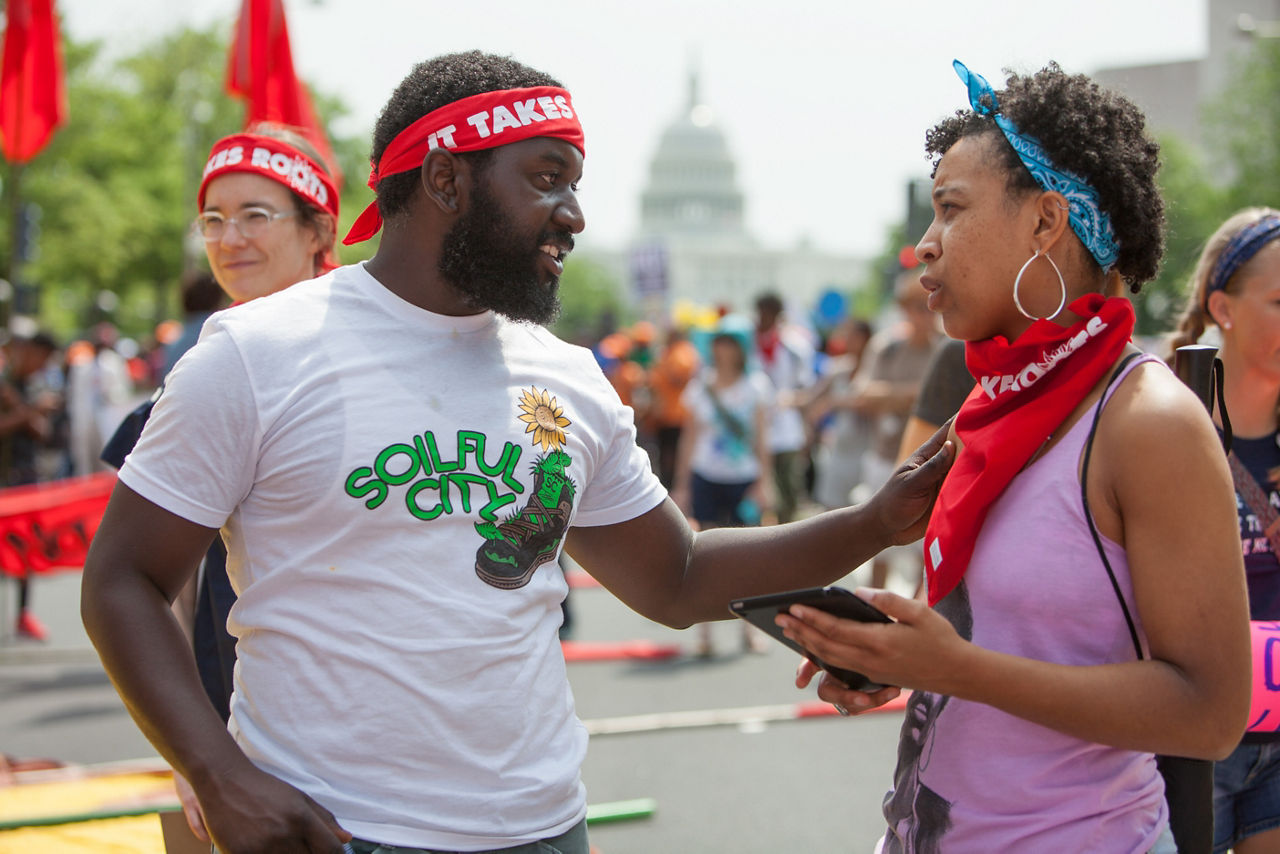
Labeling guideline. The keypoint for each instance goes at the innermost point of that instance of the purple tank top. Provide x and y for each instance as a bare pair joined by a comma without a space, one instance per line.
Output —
971,778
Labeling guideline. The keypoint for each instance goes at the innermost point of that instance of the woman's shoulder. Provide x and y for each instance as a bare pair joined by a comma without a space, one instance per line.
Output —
1151,411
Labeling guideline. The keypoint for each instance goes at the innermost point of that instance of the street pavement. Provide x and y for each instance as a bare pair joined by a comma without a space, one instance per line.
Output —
807,785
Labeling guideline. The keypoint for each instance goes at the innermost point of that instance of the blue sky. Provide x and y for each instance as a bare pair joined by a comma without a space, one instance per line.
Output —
824,104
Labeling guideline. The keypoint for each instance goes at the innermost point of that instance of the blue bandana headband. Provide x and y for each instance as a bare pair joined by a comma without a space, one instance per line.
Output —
1090,223
1247,243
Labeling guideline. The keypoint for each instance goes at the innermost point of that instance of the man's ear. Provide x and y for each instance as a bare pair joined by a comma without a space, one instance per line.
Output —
442,177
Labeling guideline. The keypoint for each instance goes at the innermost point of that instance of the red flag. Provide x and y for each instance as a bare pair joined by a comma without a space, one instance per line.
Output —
33,99
260,69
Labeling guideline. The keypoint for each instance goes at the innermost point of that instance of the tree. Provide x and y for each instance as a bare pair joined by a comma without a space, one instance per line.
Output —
592,307
1244,127
1194,206
116,184
1239,168
116,187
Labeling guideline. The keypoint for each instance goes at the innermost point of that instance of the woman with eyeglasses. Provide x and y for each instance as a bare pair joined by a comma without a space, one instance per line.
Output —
268,216
1086,598
268,213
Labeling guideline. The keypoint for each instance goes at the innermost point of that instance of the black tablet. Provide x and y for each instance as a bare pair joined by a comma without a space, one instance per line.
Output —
760,611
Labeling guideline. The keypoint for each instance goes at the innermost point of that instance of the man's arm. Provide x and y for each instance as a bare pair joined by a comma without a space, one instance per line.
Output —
659,567
139,560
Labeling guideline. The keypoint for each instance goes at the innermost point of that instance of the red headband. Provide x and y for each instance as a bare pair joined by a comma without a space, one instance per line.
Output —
275,159
473,123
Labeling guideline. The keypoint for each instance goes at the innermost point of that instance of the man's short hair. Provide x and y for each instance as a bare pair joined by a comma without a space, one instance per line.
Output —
769,303
429,86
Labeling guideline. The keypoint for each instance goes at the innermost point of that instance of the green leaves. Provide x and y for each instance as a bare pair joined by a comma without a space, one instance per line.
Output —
117,184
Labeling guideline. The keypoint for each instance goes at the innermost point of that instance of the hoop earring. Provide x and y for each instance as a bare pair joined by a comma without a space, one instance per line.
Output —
1061,282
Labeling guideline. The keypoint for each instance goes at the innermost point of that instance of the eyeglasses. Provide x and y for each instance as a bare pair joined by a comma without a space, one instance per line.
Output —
250,222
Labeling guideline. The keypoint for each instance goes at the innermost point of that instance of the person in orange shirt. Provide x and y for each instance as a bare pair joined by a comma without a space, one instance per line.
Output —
676,365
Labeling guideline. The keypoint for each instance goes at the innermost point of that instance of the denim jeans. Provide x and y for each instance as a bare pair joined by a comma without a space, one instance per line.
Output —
1246,793
572,841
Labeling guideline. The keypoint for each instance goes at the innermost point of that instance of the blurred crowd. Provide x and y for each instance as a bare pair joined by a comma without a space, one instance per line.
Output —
61,400
762,418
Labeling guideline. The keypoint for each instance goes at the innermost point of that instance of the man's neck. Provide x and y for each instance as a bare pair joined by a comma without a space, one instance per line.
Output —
410,269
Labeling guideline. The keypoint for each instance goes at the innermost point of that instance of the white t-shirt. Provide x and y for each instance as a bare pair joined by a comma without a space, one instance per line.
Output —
790,370
365,459
724,446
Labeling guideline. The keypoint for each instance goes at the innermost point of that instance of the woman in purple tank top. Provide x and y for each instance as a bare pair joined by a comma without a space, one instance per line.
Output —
1037,710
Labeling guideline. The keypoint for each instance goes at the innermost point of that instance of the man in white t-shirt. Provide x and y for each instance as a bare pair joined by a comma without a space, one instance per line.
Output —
395,454
786,357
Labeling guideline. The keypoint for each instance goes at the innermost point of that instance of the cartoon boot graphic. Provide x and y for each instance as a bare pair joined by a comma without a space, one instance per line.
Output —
514,549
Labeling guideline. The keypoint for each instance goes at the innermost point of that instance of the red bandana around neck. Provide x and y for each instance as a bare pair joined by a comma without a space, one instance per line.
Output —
473,123
274,159
1025,390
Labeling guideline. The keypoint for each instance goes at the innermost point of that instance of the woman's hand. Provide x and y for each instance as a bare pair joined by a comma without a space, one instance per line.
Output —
920,649
762,494
846,700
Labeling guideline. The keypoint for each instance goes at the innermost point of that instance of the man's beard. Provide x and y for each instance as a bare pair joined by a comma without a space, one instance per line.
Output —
494,267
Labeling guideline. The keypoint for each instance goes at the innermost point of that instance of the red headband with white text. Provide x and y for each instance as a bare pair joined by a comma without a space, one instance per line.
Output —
275,159
473,123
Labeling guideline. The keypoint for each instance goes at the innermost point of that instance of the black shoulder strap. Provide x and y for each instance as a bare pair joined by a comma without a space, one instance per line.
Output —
731,422
1088,514
1219,380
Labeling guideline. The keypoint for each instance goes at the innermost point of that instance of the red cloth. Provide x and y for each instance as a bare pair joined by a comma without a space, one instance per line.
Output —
1025,391
274,159
260,69
767,342
486,120
33,98
48,526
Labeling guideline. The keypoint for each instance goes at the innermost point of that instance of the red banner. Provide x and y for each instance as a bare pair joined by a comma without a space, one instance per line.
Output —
260,69
33,100
48,526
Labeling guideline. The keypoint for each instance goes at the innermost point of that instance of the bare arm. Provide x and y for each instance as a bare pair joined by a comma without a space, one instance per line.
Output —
663,570
140,558
763,487
1159,485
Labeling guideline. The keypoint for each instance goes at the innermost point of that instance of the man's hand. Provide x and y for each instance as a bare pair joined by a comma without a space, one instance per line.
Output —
191,808
252,812
905,501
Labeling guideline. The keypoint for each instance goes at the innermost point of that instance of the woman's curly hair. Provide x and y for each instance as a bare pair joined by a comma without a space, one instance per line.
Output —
1086,129
431,85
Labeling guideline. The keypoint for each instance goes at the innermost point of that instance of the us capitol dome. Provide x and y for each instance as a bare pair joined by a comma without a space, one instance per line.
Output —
692,191
692,243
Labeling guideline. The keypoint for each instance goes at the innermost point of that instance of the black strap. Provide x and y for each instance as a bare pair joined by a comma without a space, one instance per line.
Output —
1219,373
1088,514
731,422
